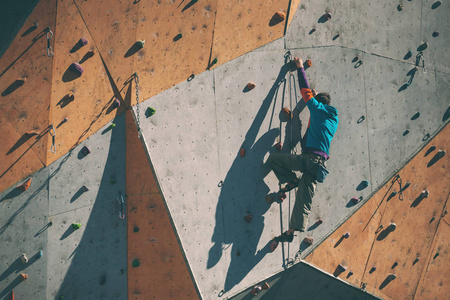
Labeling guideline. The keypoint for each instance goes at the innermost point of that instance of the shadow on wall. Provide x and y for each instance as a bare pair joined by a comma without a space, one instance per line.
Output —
243,191
98,268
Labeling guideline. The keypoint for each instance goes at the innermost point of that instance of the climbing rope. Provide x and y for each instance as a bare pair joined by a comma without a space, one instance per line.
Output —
138,122
49,37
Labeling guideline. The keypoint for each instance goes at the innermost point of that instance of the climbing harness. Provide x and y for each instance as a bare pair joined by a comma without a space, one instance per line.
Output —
121,201
49,37
53,134
138,123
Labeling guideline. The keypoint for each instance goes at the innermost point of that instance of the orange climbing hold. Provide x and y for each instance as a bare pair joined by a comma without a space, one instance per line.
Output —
307,64
23,276
12,295
287,112
250,86
24,186
279,16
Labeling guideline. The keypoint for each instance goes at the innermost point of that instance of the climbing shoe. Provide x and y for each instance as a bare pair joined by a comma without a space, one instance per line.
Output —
285,237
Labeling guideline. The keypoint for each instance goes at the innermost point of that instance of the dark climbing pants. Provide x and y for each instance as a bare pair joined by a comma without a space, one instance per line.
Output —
283,165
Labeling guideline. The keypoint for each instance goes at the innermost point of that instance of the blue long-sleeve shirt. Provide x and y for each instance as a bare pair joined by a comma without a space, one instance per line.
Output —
323,122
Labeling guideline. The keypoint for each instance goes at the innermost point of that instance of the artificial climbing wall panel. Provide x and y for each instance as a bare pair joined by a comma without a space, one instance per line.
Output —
152,242
26,106
376,249
168,58
86,100
242,26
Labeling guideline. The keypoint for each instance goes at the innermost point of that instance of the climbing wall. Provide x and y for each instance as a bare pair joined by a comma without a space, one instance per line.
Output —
152,242
412,249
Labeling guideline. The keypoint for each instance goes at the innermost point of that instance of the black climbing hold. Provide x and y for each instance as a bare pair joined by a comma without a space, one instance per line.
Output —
135,263
400,7
408,55
358,64
416,261
85,188
422,47
436,4
214,61
416,116
312,31
336,36
355,59
136,229
362,118
391,277
431,149
116,103
347,235
177,37
394,265
149,112
85,151
406,132
83,42
436,255
435,34
392,227
362,185
220,183
426,137
432,219
407,184
372,270
191,77
140,44
350,273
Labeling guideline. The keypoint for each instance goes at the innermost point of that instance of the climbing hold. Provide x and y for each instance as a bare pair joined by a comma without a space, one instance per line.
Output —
365,183
373,269
85,151
347,235
21,81
393,194
432,219
85,188
319,221
342,268
312,30
327,16
416,115
83,42
286,112
308,240
40,253
356,200
392,226
250,86
112,126
435,34
24,186
248,217
436,4
136,229
407,184
278,146
400,7
140,44
135,263
177,37
32,132
65,120
61,297
362,118
116,103
90,53
279,16
416,261
23,276
191,77
350,273
394,265
242,152
214,61
425,194
408,55
24,258
76,68
76,226
391,277
265,286
256,290
307,64
238,253
150,112
282,196
422,47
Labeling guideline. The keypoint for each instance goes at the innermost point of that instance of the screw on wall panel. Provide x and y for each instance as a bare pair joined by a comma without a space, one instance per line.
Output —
24,258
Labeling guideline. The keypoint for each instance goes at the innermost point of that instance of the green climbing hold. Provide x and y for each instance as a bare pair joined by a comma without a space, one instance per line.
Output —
112,181
112,125
150,112
214,61
61,297
76,226
135,263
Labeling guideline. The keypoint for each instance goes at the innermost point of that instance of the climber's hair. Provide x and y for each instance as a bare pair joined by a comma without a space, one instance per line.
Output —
323,98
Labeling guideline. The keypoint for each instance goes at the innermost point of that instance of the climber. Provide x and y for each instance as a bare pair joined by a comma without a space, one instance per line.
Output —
316,144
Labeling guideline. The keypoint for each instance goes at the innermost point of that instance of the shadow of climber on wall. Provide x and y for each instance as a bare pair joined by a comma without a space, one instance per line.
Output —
243,192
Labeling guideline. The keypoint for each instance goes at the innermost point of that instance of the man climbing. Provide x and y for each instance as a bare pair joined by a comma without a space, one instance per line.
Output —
321,129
